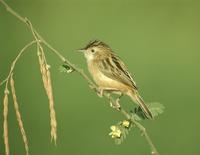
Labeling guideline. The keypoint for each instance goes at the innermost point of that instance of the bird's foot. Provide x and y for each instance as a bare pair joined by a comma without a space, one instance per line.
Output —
115,104
100,92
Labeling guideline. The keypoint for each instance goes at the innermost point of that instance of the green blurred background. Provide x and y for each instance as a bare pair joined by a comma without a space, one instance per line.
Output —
158,40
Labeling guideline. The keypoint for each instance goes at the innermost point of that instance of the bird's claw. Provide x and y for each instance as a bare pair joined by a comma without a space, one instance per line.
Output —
91,86
100,92
115,104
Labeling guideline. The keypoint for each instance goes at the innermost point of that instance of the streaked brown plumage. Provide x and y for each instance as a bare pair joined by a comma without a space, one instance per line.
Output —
110,73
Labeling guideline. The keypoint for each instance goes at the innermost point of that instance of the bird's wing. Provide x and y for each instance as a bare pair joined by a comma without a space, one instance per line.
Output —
115,69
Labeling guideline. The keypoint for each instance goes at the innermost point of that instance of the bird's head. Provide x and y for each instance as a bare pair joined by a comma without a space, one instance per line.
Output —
95,49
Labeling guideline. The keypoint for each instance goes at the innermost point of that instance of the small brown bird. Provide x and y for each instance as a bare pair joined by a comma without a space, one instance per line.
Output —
110,73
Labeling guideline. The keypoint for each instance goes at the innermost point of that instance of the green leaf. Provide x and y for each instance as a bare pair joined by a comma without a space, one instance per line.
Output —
66,69
156,108
139,114
136,117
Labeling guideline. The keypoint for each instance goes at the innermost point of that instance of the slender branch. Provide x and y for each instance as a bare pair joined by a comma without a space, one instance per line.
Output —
2,82
39,38
9,9
142,129
14,62
74,67
138,125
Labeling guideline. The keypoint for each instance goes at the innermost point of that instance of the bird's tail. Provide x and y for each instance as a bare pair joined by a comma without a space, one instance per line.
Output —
137,99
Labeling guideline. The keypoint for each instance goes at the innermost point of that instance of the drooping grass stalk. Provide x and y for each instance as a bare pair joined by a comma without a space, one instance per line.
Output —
18,114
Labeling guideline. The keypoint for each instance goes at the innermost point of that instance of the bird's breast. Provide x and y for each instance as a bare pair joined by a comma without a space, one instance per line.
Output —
102,80
97,75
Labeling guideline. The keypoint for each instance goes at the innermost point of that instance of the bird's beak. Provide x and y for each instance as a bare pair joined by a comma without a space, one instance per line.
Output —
81,50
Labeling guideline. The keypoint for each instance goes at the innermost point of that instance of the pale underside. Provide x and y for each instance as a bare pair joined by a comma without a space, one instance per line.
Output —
114,79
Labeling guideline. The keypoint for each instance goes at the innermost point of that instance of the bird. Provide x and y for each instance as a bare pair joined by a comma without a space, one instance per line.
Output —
111,74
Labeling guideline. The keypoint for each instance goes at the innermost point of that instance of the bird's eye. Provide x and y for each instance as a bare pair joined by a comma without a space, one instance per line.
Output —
92,51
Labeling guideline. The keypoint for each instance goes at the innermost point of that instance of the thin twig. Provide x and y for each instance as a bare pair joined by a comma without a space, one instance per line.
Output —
137,124
74,67
15,60
143,131
37,36
9,9
2,82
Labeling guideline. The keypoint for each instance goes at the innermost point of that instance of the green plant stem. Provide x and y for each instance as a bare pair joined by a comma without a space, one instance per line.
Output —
39,38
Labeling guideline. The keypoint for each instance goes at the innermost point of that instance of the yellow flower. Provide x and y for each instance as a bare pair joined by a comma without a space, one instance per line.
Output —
116,132
126,123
